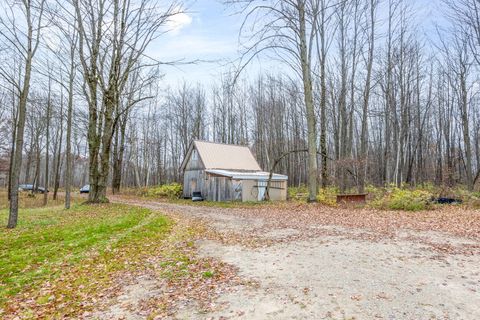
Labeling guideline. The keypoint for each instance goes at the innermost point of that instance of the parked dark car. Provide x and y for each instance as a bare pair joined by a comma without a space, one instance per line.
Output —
29,187
197,196
85,189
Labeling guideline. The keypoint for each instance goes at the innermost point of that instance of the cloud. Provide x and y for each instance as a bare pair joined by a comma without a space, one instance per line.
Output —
177,22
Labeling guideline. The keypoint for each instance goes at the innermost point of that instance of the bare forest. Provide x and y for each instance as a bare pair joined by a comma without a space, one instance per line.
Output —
360,96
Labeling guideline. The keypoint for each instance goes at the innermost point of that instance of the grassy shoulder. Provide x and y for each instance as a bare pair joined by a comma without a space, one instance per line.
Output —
49,240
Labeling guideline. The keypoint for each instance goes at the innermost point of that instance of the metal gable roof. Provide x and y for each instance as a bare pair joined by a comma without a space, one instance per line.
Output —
226,156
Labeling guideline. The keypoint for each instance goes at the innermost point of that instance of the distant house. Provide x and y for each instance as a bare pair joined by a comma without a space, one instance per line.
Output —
225,172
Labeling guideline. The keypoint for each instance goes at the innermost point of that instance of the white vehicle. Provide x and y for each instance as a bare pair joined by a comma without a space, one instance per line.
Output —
85,189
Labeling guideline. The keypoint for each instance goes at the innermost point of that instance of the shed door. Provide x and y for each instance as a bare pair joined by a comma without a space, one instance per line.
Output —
193,185
262,187
237,190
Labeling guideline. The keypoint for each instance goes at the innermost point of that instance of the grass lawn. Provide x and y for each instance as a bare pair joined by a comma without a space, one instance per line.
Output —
82,246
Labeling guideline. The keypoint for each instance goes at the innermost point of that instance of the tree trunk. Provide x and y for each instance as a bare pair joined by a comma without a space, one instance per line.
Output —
118,156
466,132
47,145
58,162
69,160
366,101
310,112
17,160
12,148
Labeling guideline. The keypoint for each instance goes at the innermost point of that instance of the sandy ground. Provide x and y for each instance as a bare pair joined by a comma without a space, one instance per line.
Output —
329,271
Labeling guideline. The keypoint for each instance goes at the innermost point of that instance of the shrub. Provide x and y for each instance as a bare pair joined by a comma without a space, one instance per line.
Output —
404,199
375,193
170,191
471,199
328,196
299,193
428,186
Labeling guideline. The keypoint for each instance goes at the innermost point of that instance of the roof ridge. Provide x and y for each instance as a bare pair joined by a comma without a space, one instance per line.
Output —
223,143
223,156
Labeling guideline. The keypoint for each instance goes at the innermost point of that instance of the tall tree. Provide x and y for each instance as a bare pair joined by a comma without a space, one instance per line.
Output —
288,29
47,137
108,56
366,98
23,41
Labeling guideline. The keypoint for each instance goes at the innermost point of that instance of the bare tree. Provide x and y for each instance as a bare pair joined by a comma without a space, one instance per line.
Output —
113,36
67,38
366,98
22,41
288,29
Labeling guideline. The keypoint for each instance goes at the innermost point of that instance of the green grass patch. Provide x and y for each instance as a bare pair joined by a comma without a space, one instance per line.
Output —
49,241
207,274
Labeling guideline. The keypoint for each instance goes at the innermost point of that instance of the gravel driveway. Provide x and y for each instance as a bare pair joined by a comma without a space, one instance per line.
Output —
310,265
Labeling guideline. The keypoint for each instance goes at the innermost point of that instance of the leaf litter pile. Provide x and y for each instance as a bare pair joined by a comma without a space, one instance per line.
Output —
423,227
377,225
315,220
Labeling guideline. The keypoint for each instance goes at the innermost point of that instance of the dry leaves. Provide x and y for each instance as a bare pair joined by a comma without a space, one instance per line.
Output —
181,278
314,220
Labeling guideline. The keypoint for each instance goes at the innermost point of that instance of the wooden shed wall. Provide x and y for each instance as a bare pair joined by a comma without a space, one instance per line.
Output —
193,180
193,177
218,188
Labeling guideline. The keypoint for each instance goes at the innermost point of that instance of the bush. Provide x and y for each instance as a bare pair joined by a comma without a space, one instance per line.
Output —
404,199
471,199
375,193
170,191
328,196
298,193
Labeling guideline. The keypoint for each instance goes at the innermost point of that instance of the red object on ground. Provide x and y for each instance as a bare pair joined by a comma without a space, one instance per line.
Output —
352,198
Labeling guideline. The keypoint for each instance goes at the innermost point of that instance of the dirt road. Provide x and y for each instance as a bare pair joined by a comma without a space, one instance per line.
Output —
314,263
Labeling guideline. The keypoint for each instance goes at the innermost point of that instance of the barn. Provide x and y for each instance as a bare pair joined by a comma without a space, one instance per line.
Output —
225,172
